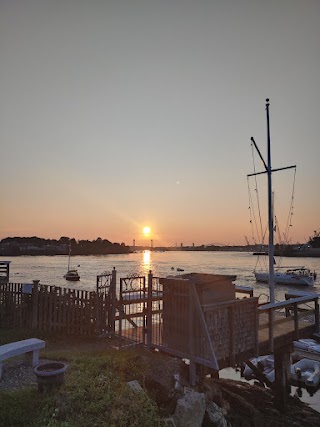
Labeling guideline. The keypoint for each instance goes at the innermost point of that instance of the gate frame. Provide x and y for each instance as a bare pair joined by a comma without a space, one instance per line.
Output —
106,303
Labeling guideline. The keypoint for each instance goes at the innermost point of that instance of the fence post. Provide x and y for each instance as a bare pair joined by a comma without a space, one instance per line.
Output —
271,329
296,321
113,296
97,301
231,337
190,332
282,387
149,310
316,316
120,311
35,298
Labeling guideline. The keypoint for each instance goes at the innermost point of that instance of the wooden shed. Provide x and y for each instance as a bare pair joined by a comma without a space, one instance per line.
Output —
179,308
204,322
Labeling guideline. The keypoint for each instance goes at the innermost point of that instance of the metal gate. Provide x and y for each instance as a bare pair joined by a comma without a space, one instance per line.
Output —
106,303
140,310
132,308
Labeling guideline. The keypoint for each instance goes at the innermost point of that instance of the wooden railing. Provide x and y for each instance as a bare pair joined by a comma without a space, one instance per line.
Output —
292,312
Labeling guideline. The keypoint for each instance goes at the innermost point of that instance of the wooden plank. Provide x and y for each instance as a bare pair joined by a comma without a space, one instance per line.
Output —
93,312
64,310
283,304
306,354
296,293
284,320
89,320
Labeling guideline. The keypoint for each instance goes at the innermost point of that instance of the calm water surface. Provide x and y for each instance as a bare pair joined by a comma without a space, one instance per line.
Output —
50,270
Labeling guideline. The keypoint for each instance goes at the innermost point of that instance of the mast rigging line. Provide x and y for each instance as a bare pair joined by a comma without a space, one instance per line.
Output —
268,171
289,224
260,239
257,193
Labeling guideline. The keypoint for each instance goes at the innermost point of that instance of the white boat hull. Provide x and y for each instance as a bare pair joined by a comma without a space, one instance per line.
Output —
285,279
306,371
265,364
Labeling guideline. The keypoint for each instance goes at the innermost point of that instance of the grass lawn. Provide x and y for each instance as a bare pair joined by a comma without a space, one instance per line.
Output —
95,391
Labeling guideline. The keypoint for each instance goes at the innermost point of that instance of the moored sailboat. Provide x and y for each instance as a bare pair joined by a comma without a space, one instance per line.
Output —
72,274
293,275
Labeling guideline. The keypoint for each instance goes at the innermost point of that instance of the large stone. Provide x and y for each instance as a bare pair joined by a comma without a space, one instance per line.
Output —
135,386
190,410
214,416
167,422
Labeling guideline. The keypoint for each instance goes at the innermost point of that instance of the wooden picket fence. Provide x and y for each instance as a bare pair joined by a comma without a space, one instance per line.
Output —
51,308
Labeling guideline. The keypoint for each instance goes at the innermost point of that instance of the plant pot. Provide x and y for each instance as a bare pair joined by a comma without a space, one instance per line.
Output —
50,375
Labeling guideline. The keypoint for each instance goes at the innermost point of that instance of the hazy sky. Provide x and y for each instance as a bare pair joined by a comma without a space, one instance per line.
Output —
119,114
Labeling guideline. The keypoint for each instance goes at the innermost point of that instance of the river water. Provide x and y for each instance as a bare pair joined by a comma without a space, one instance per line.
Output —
51,269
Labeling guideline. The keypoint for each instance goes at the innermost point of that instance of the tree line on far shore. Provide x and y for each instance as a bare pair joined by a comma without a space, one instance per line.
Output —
13,246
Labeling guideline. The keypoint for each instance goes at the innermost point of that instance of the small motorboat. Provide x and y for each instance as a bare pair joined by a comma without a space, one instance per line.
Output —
306,371
265,364
180,269
307,344
306,348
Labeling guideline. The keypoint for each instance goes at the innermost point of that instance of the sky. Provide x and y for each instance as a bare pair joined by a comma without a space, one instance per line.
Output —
121,114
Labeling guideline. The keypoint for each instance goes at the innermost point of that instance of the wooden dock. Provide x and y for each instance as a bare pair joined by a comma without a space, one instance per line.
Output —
284,333
297,320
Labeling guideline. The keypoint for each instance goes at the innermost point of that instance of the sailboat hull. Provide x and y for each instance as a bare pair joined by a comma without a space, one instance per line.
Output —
72,276
286,278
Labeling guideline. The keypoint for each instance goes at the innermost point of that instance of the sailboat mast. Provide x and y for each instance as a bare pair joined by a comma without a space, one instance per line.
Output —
268,170
270,212
69,256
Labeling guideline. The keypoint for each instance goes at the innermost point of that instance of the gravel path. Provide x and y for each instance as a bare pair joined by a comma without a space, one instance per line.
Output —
17,373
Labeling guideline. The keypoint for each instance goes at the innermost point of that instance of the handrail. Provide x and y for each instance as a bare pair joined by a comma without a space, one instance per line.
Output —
281,304
271,307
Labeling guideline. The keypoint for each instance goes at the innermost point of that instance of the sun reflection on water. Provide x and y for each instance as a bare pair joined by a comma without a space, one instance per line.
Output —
146,262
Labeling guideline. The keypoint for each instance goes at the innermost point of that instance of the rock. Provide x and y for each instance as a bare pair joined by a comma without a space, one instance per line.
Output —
214,416
190,410
135,386
167,422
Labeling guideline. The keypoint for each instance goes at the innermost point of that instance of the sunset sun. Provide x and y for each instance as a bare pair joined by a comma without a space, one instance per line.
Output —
146,231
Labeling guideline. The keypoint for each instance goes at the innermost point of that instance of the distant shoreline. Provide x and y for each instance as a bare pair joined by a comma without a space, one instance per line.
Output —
35,246
130,250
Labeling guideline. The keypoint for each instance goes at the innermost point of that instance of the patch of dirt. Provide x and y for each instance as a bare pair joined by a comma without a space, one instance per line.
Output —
17,373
